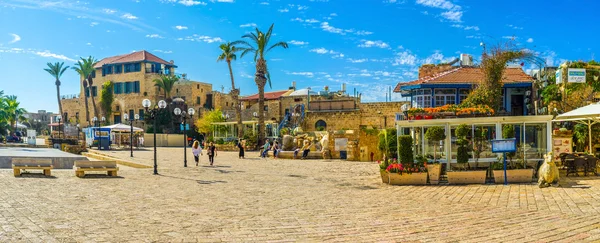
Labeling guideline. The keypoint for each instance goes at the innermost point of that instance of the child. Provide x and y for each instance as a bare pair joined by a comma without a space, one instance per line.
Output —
197,151
212,153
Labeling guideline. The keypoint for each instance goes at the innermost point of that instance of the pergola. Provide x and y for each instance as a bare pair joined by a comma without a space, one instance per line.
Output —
587,115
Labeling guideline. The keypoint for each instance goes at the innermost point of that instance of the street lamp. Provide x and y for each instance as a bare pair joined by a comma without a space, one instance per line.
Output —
78,131
131,119
184,116
96,132
146,103
58,119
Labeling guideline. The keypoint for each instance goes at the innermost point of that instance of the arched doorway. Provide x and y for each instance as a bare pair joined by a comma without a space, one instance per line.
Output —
321,125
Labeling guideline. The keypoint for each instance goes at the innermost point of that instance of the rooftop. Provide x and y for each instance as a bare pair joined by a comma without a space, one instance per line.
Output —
137,56
467,75
268,95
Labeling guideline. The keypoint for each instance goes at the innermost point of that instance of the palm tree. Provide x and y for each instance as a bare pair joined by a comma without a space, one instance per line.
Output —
57,70
85,68
3,114
13,112
229,55
259,45
166,83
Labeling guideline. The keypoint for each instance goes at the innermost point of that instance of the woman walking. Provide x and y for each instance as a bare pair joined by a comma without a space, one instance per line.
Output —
241,148
197,151
212,153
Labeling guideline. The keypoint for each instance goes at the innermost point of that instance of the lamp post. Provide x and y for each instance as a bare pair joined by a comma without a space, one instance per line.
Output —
78,131
146,103
131,119
58,119
184,116
96,132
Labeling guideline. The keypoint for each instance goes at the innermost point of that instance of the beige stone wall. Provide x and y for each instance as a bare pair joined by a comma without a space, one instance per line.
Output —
377,115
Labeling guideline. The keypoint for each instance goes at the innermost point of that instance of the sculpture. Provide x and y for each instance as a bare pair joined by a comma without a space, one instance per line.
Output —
548,172
288,143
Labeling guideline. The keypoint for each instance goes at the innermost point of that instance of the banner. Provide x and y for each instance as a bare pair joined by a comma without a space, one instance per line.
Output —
576,75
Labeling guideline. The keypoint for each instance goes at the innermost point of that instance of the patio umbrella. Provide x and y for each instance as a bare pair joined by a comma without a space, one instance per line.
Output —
588,115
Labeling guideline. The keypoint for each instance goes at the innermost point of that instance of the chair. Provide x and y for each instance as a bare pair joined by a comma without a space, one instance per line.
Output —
580,163
570,164
562,157
591,165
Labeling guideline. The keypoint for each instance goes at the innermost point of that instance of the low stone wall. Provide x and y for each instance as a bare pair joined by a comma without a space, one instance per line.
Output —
290,155
226,147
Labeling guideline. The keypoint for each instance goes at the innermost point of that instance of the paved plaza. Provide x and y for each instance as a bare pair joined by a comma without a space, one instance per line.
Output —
258,200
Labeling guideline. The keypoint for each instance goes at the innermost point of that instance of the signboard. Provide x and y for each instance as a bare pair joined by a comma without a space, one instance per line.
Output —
341,144
561,145
576,75
187,127
558,76
31,137
504,145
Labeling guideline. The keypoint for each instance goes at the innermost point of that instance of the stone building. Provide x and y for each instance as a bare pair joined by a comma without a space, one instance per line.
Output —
133,76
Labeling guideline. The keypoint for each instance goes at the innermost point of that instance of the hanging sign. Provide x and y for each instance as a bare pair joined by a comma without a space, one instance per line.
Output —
576,75
504,145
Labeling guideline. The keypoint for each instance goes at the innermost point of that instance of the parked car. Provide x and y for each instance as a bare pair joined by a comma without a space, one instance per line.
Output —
13,139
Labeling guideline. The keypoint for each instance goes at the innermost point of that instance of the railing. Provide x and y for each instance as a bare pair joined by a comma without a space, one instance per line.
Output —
158,71
69,96
334,105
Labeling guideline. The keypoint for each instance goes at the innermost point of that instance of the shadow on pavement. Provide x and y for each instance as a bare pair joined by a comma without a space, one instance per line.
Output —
100,176
202,182
35,175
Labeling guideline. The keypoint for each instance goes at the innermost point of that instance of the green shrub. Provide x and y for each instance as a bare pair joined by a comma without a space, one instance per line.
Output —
462,152
320,128
388,143
435,135
406,150
220,141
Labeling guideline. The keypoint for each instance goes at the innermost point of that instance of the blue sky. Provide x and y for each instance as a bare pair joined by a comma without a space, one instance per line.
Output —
368,44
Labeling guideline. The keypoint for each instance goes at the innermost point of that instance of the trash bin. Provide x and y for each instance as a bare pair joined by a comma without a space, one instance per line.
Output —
343,154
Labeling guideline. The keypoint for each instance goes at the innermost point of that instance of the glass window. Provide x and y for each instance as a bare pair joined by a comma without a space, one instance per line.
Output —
198,100
444,97
462,95
87,92
131,114
128,87
118,68
141,112
128,67
94,91
136,86
422,98
137,67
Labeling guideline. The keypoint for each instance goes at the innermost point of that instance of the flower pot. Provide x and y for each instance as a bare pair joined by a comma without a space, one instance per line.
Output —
384,176
514,176
466,177
408,179
434,171
418,117
428,117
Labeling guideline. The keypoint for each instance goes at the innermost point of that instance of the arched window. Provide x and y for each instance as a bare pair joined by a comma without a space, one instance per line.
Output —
321,125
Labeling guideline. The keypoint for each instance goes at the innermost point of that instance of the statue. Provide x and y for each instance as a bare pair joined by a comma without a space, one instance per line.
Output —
548,172
288,143
324,143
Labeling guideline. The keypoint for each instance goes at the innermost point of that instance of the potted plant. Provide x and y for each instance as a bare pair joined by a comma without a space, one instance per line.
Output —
435,135
515,172
464,176
400,174
382,170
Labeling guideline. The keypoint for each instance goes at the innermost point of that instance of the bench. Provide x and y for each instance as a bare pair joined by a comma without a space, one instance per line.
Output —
290,154
82,166
19,164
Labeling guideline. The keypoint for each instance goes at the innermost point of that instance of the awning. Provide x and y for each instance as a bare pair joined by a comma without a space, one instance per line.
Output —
123,128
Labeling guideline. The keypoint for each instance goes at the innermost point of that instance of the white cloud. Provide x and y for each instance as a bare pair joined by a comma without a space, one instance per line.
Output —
443,4
248,25
284,10
298,43
320,50
510,37
16,38
326,27
222,1
309,21
53,55
460,26
333,14
378,43
129,16
363,32
166,52
245,75
453,15
357,60
92,24
405,58
191,2
308,74
88,44
109,11
514,27
155,36
264,3
300,7
202,38
530,40
334,54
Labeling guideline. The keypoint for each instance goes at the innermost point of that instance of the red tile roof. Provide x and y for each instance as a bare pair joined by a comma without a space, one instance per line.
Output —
137,56
268,95
468,75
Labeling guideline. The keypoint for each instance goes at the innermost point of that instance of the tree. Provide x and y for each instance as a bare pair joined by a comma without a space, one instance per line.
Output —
435,135
13,111
406,156
107,98
204,125
259,46
3,114
85,69
229,55
166,83
462,152
57,70
493,65
388,143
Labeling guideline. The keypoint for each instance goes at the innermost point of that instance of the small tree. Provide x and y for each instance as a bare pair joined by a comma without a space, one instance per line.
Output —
107,98
387,143
462,153
204,124
479,137
435,135
406,152
508,131
580,132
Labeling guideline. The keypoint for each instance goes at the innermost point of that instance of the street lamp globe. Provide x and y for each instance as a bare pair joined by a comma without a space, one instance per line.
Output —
78,126
162,104
136,116
177,111
255,114
191,111
126,116
146,103
103,119
95,119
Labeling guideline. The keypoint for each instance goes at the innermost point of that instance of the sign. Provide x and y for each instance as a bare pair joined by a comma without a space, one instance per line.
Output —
341,144
504,145
31,137
558,76
576,75
187,127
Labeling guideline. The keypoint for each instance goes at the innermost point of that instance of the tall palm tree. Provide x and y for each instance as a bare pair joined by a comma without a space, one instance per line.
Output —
166,83
229,55
57,70
14,112
85,68
3,114
259,45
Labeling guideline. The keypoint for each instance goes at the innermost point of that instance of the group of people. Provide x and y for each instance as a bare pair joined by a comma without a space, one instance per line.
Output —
276,147
211,151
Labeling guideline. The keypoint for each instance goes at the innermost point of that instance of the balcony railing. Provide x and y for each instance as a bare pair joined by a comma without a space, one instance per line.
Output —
69,96
158,71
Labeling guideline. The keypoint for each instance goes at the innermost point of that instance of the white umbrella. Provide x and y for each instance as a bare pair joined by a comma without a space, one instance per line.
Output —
588,115
19,125
123,128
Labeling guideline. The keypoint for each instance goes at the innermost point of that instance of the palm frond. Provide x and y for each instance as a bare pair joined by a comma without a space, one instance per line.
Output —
282,44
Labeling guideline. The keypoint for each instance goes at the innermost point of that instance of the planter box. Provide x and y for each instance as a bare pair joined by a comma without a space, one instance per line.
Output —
514,176
434,171
384,176
408,179
466,177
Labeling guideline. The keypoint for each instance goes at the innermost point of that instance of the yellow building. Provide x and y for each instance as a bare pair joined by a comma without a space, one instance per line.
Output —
133,76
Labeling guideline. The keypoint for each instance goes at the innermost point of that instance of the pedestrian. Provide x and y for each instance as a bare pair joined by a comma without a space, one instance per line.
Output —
141,141
276,149
212,153
266,147
305,149
197,151
241,148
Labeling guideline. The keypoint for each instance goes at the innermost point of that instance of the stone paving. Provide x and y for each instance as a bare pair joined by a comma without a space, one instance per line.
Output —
258,200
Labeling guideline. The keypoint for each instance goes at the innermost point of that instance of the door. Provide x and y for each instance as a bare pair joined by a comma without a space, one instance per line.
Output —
517,105
117,119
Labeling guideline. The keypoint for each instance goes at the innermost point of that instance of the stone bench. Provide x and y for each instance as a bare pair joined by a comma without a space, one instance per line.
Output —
110,167
19,164
290,155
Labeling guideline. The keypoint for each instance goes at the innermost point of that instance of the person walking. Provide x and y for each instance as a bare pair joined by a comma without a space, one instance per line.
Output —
266,147
212,153
241,148
197,151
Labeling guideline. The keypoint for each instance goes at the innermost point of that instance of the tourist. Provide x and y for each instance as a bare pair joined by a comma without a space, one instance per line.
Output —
197,151
276,150
141,141
212,153
241,148
266,147
305,149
